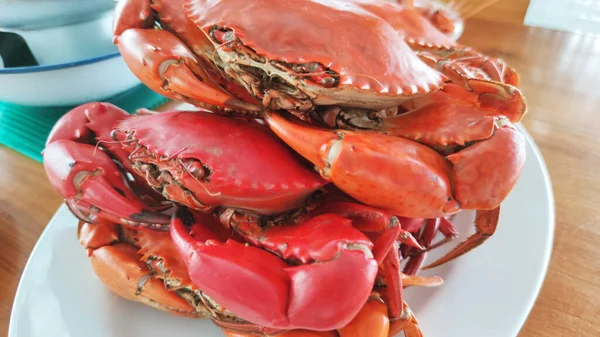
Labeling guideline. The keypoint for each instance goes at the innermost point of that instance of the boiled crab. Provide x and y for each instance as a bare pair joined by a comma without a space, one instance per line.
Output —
440,114
407,126
144,266
293,242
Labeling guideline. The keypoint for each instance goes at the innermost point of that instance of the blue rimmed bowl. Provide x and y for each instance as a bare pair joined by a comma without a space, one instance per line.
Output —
77,62
64,84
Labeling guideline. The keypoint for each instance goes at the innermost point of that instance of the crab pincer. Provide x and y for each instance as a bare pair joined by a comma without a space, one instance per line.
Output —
298,280
407,178
95,188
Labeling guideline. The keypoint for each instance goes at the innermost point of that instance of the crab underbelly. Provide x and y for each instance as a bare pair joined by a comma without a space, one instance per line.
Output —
306,93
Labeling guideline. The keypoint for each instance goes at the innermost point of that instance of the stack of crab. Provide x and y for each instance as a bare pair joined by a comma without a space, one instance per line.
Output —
331,143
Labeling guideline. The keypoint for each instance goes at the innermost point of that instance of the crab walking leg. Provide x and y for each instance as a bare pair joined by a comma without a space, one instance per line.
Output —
371,220
485,226
407,323
391,266
421,281
426,238
448,230
91,181
314,295
166,65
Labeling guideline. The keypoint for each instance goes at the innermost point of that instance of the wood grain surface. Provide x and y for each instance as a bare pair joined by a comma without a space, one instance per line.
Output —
560,75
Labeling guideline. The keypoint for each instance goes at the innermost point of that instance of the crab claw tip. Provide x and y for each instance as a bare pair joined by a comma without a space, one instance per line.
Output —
313,143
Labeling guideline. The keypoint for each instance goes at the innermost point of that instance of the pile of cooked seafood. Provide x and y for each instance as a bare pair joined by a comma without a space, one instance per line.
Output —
330,145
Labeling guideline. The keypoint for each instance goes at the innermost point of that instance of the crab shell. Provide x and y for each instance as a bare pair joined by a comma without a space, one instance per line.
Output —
290,54
361,42
262,175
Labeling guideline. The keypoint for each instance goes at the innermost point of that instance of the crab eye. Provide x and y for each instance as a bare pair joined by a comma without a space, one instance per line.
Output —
195,168
328,81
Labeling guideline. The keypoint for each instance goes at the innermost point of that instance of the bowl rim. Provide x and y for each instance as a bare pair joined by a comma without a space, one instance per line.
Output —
34,69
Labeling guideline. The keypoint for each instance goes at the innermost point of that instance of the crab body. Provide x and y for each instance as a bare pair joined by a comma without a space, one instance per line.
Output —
302,57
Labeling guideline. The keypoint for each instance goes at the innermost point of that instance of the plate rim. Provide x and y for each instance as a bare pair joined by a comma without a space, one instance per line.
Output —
551,202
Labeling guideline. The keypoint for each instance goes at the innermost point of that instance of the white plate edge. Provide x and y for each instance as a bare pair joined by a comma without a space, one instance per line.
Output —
551,233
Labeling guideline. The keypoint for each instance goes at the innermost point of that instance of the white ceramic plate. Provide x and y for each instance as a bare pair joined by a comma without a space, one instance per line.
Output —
488,292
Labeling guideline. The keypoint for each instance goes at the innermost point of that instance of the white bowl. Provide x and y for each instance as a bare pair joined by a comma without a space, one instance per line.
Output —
64,84
71,42
36,14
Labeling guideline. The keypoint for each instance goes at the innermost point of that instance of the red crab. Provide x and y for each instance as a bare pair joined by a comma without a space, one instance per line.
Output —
401,123
294,240
399,116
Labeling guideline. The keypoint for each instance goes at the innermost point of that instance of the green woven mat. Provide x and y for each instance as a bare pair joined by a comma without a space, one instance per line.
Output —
25,129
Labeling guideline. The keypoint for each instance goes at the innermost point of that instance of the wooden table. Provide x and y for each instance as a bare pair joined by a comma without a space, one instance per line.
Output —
561,78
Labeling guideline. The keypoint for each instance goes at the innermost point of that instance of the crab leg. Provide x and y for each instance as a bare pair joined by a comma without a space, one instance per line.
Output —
132,14
466,61
485,226
386,249
161,60
407,323
447,229
371,220
277,294
457,116
393,281
427,235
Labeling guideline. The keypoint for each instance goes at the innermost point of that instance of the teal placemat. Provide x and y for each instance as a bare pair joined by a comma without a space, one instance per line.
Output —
25,129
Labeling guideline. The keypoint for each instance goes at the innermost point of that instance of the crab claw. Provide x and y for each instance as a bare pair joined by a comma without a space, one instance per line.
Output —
88,123
392,173
408,178
132,14
93,123
166,65
312,293
485,172
91,182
